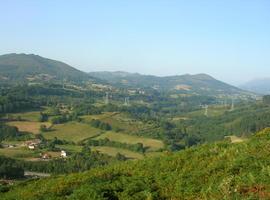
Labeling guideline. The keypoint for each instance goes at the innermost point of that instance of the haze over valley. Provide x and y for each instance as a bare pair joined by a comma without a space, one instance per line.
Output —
134,100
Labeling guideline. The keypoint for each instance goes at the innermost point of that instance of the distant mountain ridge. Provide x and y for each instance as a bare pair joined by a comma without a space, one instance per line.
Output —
16,68
198,83
30,67
260,86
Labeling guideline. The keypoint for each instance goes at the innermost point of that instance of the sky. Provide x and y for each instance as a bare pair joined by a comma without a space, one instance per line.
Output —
228,39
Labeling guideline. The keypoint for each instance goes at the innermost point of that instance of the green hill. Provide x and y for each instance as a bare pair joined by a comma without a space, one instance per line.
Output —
213,171
191,84
30,67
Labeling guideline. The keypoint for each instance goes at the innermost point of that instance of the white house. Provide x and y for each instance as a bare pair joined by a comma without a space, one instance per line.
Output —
63,154
32,147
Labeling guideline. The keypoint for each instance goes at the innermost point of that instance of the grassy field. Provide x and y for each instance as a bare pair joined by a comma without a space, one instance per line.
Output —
32,127
28,116
119,120
70,148
154,154
18,152
72,131
153,144
113,151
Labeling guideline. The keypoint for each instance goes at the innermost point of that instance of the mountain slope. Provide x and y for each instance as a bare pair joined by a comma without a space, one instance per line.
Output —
213,171
260,86
29,67
195,84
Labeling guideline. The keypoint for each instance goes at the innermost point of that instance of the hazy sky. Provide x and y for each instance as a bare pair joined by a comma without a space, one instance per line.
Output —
227,39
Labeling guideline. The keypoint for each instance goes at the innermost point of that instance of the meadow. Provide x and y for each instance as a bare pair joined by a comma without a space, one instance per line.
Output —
26,116
112,151
18,152
119,121
72,131
29,126
153,144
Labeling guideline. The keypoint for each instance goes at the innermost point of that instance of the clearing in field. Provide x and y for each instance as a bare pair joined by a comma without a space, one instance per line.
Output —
235,139
72,131
32,127
153,144
112,151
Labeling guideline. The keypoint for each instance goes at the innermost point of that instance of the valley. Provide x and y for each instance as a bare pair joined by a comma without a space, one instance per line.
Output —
64,128
135,100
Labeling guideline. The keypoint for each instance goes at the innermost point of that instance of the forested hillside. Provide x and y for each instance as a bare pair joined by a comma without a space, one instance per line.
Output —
190,84
34,68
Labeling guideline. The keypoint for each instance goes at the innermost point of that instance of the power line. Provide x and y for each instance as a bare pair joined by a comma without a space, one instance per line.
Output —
126,101
107,98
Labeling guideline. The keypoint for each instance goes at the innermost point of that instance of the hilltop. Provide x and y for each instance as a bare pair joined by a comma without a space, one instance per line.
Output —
31,68
190,84
212,171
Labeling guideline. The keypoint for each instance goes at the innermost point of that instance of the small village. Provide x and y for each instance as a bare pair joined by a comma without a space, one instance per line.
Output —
34,146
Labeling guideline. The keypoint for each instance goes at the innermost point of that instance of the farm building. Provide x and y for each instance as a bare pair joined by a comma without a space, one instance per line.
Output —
63,154
45,156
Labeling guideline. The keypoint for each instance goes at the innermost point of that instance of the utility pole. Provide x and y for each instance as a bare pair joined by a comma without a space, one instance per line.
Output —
232,106
206,110
107,98
126,101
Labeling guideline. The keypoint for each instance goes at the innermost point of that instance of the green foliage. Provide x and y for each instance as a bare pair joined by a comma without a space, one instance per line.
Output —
179,84
214,171
77,162
10,169
101,125
19,67
266,99
43,117
10,132
63,118
86,109
106,142
44,128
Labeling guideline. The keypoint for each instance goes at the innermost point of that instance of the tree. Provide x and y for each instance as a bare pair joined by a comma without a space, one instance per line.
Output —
121,157
266,99
43,117
43,128
86,149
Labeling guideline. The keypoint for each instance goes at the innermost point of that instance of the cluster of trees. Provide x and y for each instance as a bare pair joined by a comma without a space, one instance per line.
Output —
64,118
12,103
243,121
43,117
266,99
76,162
106,142
11,132
86,108
10,168
176,137
101,125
